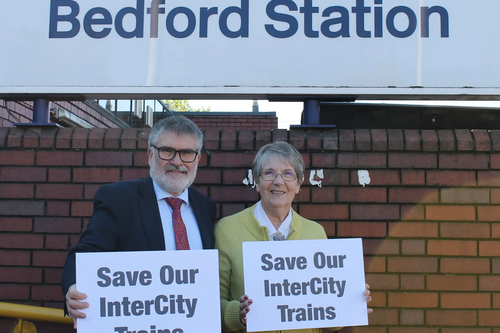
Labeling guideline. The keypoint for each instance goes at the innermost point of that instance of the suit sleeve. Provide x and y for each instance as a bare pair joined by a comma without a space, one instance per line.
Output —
101,234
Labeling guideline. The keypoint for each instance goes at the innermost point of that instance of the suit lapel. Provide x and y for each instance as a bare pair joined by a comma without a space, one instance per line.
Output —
150,215
202,217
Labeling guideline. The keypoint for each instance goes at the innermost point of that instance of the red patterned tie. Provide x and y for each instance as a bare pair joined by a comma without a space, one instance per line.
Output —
181,240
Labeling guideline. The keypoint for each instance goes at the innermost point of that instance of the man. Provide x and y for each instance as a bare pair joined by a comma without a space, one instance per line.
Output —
152,213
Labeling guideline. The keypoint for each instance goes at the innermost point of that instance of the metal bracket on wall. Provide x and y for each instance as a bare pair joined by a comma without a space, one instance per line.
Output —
310,115
41,115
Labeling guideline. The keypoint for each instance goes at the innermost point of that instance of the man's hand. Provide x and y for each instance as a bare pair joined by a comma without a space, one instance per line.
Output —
73,303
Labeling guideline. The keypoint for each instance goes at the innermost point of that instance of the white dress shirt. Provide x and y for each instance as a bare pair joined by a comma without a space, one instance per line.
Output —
264,221
193,232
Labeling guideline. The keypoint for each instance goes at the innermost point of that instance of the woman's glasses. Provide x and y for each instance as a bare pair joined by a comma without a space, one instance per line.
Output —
287,176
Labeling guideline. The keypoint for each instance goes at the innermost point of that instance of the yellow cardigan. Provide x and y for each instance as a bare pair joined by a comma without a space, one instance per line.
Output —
230,232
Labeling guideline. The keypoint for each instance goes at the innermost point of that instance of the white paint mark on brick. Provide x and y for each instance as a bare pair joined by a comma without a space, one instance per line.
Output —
363,177
316,174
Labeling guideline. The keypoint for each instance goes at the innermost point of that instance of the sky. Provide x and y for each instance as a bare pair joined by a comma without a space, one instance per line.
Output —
289,113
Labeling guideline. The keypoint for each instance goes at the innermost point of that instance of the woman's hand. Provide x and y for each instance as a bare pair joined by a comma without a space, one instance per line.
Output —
245,303
368,297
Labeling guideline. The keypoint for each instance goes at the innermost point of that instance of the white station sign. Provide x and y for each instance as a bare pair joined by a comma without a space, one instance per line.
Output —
243,48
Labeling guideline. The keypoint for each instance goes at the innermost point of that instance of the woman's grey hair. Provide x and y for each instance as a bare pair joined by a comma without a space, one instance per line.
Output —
178,125
284,151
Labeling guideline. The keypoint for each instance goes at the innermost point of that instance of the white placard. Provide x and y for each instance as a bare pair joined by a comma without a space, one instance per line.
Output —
242,48
305,284
173,291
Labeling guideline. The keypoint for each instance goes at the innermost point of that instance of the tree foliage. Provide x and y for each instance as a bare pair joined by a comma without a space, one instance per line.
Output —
182,105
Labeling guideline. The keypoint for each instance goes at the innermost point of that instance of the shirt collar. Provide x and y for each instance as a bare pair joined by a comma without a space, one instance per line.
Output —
264,221
162,194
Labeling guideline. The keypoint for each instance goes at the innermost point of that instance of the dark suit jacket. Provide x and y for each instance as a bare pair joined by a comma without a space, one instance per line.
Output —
126,218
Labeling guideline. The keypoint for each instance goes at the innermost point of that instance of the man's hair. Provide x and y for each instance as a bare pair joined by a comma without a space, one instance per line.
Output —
285,152
178,125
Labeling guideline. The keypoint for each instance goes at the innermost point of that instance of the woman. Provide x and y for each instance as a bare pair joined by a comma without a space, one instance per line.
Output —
278,170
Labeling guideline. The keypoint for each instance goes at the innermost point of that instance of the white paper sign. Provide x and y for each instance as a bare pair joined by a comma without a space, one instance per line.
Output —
149,291
305,284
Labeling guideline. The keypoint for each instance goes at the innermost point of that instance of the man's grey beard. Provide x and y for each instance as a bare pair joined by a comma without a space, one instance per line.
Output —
170,182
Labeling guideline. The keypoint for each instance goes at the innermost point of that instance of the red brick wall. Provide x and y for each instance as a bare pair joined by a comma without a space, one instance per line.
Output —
429,217
12,112
222,121
217,120
15,112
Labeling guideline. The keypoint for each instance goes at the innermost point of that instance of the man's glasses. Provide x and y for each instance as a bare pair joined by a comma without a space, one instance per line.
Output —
168,154
287,176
